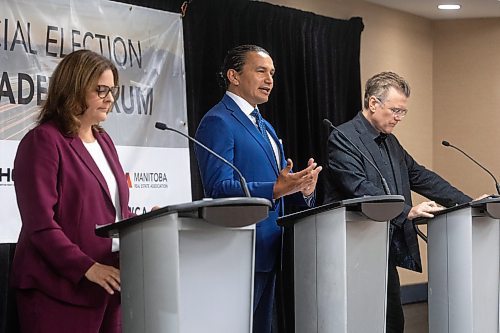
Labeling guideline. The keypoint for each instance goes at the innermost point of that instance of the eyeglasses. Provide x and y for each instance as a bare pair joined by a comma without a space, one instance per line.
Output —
400,113
103,91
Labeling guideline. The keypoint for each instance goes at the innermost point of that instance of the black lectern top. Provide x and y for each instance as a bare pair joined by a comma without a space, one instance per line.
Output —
226,212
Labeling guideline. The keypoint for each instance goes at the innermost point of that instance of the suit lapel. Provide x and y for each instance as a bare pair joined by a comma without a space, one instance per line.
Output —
117,172
394,155
373,149
252,129
366,138
280,146
84,155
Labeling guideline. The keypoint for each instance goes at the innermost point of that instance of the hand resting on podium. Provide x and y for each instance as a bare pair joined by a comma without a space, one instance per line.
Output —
424,209
484,196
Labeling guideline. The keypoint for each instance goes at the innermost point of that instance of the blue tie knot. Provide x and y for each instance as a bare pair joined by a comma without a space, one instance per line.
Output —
260,122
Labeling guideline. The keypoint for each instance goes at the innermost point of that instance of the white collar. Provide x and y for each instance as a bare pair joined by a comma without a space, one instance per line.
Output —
246,107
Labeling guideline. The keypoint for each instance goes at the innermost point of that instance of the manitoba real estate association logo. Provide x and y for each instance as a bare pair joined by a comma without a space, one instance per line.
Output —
158,180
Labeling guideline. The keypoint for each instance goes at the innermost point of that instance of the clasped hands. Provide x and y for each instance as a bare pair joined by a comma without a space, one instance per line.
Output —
302,181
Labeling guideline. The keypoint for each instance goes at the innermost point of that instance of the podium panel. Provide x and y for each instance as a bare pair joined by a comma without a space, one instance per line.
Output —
464,269
211,269
368,254
188,268
150,287
340,265
313,237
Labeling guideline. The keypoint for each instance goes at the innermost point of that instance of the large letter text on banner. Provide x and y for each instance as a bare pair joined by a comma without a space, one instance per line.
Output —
147,47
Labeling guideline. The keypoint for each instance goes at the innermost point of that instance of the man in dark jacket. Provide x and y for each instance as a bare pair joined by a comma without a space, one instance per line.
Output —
350,176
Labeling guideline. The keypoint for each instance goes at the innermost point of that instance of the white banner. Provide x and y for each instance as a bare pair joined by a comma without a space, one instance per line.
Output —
147,47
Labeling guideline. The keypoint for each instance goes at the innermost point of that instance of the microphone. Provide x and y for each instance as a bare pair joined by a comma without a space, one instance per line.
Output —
384,182
447,144
243,182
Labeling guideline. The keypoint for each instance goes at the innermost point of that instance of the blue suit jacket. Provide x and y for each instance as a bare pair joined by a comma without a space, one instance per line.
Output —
229,132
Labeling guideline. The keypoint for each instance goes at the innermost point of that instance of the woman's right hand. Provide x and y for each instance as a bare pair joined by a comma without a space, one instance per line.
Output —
106,276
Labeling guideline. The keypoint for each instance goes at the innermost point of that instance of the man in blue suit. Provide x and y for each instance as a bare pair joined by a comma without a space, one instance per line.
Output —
235,129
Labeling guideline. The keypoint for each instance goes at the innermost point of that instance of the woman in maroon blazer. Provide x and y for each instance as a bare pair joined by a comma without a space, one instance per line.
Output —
68,179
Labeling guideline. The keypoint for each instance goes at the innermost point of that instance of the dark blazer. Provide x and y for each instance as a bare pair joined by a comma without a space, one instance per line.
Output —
349,175
62,196
229,132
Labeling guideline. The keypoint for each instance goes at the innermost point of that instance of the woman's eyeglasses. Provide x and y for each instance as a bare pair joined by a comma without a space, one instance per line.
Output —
103,91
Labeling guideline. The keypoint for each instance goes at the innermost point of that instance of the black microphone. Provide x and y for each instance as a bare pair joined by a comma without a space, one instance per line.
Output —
447,144
243,182
384,182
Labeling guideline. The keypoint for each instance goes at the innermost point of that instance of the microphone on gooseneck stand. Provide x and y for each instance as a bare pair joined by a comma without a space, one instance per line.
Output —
243,182
384,182
447,144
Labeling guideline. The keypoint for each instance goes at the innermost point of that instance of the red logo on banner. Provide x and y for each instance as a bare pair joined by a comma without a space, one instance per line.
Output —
129,181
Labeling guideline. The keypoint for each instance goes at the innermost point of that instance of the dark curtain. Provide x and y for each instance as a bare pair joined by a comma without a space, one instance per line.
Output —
316,60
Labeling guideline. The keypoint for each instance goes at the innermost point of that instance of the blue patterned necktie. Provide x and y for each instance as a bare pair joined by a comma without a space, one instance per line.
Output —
262,129
260,123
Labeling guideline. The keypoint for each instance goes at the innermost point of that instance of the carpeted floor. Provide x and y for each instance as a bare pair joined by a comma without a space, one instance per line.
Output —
416,318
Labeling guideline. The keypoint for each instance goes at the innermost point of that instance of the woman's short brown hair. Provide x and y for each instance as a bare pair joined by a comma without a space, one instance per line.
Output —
73,78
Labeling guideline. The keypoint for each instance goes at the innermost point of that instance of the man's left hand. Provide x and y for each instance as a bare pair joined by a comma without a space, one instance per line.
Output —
310,186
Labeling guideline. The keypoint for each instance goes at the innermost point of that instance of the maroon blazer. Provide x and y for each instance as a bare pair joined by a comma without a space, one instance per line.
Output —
62,196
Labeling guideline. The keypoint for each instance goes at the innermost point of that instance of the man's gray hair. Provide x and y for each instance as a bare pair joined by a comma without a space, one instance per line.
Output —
379,84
